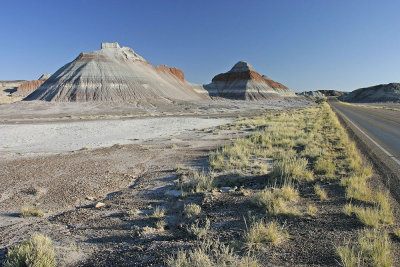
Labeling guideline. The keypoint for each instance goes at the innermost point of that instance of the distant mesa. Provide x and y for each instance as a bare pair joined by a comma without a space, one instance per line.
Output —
116,74
379,93
243,82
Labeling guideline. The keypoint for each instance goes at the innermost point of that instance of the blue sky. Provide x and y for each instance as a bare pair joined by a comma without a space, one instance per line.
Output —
304,44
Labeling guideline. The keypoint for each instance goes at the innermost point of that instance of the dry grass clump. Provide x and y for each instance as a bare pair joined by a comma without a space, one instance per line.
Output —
278,200
30,211
348,209
396,232
198,231
262,232
370,216
358,188
160,224
35,251
367,216
349,257
292,168
373,249
313,151
191,210
210,254
320,192
385,210
158,212
325,166
194,181
312,210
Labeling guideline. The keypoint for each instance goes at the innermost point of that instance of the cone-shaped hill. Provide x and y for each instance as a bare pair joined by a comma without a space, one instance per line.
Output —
117,74
243,82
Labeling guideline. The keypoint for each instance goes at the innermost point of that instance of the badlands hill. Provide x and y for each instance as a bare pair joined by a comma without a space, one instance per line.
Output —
116,74
243,82
379,93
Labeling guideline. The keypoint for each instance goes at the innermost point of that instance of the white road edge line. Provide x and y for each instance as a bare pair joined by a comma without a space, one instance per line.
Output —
372,140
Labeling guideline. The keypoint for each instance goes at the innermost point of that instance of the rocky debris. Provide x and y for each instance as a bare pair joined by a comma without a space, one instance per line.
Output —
114,74
243,82
379,93
174,71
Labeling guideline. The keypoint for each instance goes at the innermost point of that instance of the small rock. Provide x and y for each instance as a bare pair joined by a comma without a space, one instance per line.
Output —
90,198
99,205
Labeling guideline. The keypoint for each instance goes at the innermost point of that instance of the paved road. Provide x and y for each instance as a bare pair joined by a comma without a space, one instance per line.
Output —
383,126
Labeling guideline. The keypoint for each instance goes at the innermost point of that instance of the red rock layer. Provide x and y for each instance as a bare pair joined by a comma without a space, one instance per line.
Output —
174,71
239,76
274,84
30,86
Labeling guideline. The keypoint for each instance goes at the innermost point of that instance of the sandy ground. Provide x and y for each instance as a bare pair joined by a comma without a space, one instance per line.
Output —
21,140
31,111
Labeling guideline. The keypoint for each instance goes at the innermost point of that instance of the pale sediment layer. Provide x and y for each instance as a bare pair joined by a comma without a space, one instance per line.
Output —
18,140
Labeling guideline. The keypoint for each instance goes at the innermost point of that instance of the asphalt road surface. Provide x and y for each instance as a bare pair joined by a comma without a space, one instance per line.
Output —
381,125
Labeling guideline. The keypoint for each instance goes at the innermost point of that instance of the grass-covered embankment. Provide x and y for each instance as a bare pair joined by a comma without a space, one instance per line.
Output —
298,168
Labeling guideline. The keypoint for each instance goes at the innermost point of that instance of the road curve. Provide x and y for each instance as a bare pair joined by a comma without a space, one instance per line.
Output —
377,133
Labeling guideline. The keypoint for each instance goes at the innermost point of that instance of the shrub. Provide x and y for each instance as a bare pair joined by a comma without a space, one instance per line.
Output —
358,188
158,212
325,166
311,210
194,181
277,200
160,224
35,251
262,232
198,231
191,210
28,211
292,168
